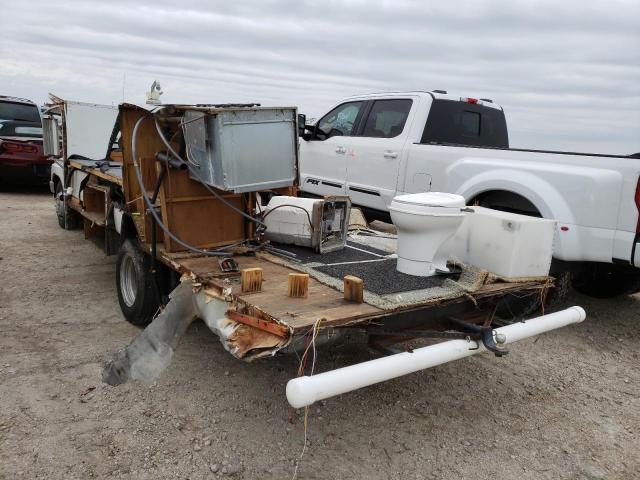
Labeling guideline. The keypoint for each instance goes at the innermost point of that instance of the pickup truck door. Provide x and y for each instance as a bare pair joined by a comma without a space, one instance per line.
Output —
323,169
374,155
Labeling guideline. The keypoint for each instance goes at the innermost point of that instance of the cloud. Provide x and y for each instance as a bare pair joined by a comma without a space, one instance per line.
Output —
567,73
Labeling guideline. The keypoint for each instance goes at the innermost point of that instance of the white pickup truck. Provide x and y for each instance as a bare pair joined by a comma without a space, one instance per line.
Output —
374,147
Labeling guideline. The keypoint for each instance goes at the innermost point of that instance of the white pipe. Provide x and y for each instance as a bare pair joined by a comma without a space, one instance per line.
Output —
303,391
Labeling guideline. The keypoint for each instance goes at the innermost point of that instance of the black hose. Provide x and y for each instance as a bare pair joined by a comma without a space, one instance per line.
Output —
145,196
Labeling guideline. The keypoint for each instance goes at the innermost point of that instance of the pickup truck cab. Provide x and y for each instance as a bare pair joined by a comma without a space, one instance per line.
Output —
374,147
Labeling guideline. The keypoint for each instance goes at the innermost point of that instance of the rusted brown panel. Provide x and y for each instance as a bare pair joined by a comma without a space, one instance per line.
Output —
252,340
260,324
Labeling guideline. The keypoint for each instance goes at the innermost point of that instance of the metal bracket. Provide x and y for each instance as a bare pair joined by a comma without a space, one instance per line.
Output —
484,332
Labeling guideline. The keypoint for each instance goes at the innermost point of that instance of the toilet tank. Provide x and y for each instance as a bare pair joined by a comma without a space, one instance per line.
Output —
507,244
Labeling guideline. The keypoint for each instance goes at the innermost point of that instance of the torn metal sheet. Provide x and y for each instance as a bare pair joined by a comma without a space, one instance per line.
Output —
152,351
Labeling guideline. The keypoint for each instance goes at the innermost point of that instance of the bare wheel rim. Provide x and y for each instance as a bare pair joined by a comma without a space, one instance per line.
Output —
128,281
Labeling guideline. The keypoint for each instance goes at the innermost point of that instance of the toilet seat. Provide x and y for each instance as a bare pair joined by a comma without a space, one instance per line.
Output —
429,203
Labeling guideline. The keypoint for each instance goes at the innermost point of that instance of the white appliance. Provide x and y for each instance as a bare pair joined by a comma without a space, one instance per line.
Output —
507,244
425,221
318,223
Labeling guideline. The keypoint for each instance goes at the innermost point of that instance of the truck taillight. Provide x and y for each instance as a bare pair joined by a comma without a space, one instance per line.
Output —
18,148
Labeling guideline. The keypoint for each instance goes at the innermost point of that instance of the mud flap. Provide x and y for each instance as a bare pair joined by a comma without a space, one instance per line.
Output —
152,350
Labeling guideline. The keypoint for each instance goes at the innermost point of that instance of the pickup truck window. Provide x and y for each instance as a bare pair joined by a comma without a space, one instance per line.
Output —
340,120
19,111
387,118
461,123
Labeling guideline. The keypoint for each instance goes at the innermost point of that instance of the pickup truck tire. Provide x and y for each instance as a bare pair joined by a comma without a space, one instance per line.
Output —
607,281
68,219
137,292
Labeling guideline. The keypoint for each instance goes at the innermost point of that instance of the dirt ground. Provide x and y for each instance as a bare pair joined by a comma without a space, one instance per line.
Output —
563,406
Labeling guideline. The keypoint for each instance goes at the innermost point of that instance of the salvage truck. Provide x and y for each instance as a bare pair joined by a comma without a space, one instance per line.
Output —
200,205
376,146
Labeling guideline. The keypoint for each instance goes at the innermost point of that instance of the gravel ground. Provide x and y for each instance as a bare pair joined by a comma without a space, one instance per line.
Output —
563,406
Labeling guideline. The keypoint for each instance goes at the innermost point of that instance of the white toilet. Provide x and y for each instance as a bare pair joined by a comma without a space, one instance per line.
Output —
425,221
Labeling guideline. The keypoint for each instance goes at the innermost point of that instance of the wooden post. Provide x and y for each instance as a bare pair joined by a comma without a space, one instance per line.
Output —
251,280
299,285
353,289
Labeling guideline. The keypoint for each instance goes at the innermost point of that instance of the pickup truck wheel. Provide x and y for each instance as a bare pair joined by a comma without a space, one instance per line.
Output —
137,292
606,281
67,218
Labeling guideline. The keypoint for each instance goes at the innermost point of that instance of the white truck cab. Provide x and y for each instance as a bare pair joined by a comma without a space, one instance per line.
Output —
376,146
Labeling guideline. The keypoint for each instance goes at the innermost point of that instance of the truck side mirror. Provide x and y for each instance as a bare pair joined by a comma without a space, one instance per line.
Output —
302,121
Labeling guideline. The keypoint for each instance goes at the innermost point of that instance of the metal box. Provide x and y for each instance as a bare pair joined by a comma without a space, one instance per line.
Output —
243,149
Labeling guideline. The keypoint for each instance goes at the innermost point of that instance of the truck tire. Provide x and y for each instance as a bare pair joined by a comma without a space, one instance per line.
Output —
607,281
137,292
68,219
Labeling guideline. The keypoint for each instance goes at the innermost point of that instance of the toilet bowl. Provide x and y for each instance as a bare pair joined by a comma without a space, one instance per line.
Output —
425,221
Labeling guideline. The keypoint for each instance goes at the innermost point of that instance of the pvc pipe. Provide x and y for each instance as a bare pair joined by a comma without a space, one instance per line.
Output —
303,391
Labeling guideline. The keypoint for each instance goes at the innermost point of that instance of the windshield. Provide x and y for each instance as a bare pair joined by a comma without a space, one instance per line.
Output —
19,111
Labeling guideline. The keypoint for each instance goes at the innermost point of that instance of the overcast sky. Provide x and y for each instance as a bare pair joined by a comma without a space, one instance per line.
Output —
567,72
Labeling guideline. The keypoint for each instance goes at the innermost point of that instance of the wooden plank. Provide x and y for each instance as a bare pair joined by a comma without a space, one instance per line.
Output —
97,172
259,323
147,144
195,216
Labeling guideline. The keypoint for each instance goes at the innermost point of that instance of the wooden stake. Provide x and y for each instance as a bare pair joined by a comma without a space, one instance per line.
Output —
299,285
353,289
251,280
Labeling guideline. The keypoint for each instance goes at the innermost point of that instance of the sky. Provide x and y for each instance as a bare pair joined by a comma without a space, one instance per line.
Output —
567,72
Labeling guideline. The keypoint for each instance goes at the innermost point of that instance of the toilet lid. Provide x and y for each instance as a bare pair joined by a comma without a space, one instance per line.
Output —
432,199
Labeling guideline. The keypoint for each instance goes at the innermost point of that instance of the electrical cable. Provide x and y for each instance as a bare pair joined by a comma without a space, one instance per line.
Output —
290,205
145,195
197,175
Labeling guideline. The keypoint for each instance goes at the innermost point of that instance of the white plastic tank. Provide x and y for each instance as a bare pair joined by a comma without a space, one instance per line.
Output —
507,244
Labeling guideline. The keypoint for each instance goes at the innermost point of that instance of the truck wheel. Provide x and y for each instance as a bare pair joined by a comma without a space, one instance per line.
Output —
67,218
606,281
137,292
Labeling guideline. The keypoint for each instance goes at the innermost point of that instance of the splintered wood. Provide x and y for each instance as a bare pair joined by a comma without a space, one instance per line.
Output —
251,280
353,289
299,285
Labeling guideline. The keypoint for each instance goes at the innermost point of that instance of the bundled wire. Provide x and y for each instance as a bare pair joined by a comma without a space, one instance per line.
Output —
311,344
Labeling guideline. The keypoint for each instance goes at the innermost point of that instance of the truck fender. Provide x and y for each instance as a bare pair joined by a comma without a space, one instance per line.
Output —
544,196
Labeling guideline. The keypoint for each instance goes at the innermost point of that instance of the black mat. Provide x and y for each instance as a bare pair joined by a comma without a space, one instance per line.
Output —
307,255
382,277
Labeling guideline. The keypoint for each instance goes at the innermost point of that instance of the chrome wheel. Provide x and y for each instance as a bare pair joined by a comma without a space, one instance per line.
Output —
128,281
